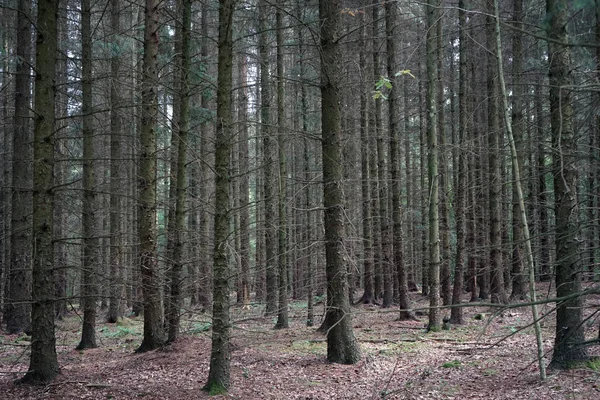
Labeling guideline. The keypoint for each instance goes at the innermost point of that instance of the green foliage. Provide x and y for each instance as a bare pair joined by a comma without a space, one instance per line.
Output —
200,327
593,364
120,332
216,389
318,299
452,364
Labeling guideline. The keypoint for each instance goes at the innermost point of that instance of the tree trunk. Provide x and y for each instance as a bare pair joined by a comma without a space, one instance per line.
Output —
495,172
17,311
391,18
115,307
342,346
243,189
456,313
265,120
43,365
519,288
147,234
282,310
177,237
89,260
368,267
374,165
218,376
435,320
569,318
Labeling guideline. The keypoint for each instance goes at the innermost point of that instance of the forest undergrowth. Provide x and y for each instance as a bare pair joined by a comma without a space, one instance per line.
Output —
491,356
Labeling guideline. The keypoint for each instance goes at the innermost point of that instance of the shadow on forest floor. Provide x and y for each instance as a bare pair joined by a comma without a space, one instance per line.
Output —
400,360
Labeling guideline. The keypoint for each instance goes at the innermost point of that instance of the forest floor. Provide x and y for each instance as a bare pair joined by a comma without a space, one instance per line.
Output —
488,358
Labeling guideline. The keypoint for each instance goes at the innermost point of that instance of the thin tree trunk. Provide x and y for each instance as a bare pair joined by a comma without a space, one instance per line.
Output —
435,322
518,277
282,310
265,120
115,308
495,173
368,267
456,313
519,192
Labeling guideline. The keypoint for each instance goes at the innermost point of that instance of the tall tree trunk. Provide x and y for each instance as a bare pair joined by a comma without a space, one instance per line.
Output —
147,233
342,346
115,307
391,18
61,169
569,314
184,63
495,172
218,376
282,311
265,120
368,267
89,260
456,313
244,185
444,181
374,165
17,311
435,322
518,278
43,365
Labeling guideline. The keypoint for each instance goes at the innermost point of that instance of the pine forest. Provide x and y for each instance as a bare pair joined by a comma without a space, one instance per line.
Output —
300,199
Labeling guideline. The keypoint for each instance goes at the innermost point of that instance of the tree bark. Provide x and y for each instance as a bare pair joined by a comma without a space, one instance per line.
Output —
569,315
17,311
89,260
456,313
115,307
435,320
43,365
391,17
265,121
342,346
282,310
147,233
184,63
218,376
494,178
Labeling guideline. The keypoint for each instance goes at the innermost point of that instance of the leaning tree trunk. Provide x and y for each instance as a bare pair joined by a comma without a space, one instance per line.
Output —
218,375
342,346
147,234
43,365
569,318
